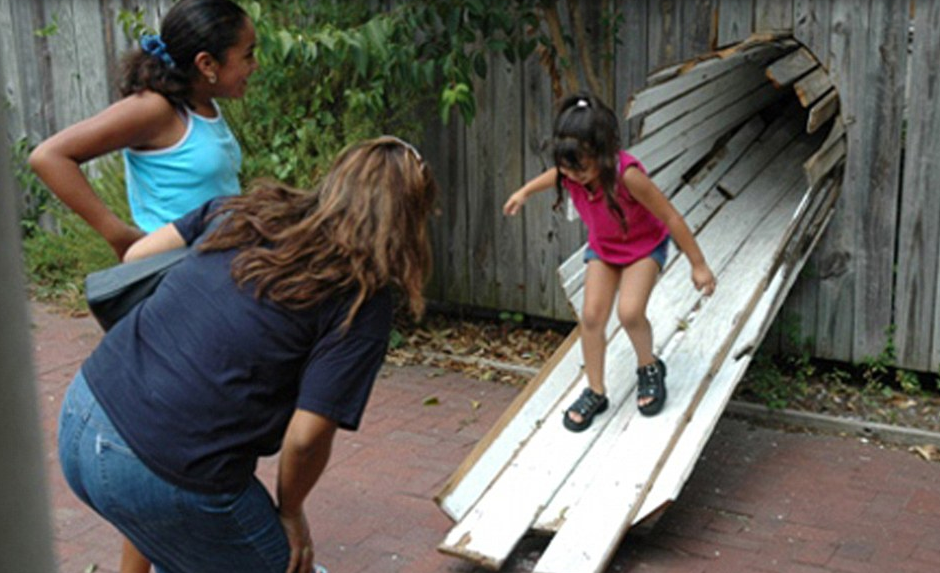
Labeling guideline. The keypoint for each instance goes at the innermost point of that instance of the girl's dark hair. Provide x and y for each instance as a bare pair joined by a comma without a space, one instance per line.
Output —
586,128
190,27
364,227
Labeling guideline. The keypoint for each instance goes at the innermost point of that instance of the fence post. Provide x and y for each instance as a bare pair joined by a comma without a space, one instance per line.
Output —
25,530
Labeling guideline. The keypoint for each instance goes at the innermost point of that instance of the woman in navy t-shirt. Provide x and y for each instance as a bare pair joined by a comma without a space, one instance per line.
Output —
266,338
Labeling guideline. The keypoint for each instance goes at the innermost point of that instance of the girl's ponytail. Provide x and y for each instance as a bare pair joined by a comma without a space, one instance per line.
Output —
585,127
166,64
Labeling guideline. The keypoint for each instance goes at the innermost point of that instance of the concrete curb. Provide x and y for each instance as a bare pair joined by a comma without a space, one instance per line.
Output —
758,413
899,435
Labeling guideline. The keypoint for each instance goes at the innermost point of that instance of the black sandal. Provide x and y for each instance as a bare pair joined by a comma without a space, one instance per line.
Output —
587,405
651,384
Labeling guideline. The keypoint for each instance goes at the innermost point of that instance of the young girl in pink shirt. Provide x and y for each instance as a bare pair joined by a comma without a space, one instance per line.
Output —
629,223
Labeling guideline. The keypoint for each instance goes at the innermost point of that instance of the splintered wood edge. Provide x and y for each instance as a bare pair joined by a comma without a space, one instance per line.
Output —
508,415
460,550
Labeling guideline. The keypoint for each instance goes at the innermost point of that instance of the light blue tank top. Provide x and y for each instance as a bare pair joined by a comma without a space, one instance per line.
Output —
165,184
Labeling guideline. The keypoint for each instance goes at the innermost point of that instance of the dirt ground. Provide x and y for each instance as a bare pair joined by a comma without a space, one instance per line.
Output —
871,393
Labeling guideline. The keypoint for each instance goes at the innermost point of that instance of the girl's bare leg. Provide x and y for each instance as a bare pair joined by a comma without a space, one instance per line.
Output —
133,561
636,285
600,286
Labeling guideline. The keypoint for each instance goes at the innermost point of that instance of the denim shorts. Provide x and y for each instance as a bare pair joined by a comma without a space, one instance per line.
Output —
179,530
659,254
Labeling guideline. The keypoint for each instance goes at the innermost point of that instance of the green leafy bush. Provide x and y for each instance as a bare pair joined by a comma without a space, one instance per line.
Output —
333,72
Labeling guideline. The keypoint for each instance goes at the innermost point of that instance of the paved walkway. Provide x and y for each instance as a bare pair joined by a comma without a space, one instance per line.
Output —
759,500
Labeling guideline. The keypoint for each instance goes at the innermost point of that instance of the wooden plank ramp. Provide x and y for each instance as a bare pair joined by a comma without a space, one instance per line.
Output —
757,191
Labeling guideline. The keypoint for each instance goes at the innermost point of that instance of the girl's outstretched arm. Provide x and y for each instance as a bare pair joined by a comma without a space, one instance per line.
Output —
540,183
643,189
145,120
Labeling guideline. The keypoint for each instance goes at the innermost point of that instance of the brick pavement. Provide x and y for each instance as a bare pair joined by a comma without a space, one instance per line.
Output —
759,500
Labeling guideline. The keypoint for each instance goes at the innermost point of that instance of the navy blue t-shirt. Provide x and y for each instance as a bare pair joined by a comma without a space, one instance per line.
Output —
202,378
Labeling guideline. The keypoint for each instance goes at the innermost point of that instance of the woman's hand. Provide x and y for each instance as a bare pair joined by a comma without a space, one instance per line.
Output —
703,279
515,202
301,544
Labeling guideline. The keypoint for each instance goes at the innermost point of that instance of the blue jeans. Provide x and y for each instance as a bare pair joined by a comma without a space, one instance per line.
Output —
659,254
179,530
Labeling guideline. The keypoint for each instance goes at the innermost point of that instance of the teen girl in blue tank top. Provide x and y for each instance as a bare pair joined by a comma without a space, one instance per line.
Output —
178,150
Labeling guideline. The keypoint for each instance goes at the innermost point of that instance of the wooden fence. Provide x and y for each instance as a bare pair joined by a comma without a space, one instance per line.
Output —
874,278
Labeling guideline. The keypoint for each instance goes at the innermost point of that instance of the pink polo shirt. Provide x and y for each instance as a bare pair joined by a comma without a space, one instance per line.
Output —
605,236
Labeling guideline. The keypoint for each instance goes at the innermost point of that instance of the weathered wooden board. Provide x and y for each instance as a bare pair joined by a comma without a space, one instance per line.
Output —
672,176
630,63
664,32
706,99
812,86
835,256
662,93
728,155
11,89
734,21
506,143
542,241
772,15
877,54
481,202
791,67
667,143
829,154
822,111
775,138
455,218
918,314
813,26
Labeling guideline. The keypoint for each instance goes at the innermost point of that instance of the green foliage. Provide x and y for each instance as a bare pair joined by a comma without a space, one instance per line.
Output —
335,72
49,30
133,24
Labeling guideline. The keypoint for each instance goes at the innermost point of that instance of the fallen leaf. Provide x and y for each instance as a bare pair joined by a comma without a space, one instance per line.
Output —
929,452
475,404
430,401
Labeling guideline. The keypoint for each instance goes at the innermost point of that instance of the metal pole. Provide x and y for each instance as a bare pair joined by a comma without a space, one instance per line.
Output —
25,529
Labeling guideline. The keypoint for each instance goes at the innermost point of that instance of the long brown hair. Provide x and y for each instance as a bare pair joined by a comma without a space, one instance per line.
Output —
364,227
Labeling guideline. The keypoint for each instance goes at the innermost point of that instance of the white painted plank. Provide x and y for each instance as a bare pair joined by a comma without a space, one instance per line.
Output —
682,459
526,414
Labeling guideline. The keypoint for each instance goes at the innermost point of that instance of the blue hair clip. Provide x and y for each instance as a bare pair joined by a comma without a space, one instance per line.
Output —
154,45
